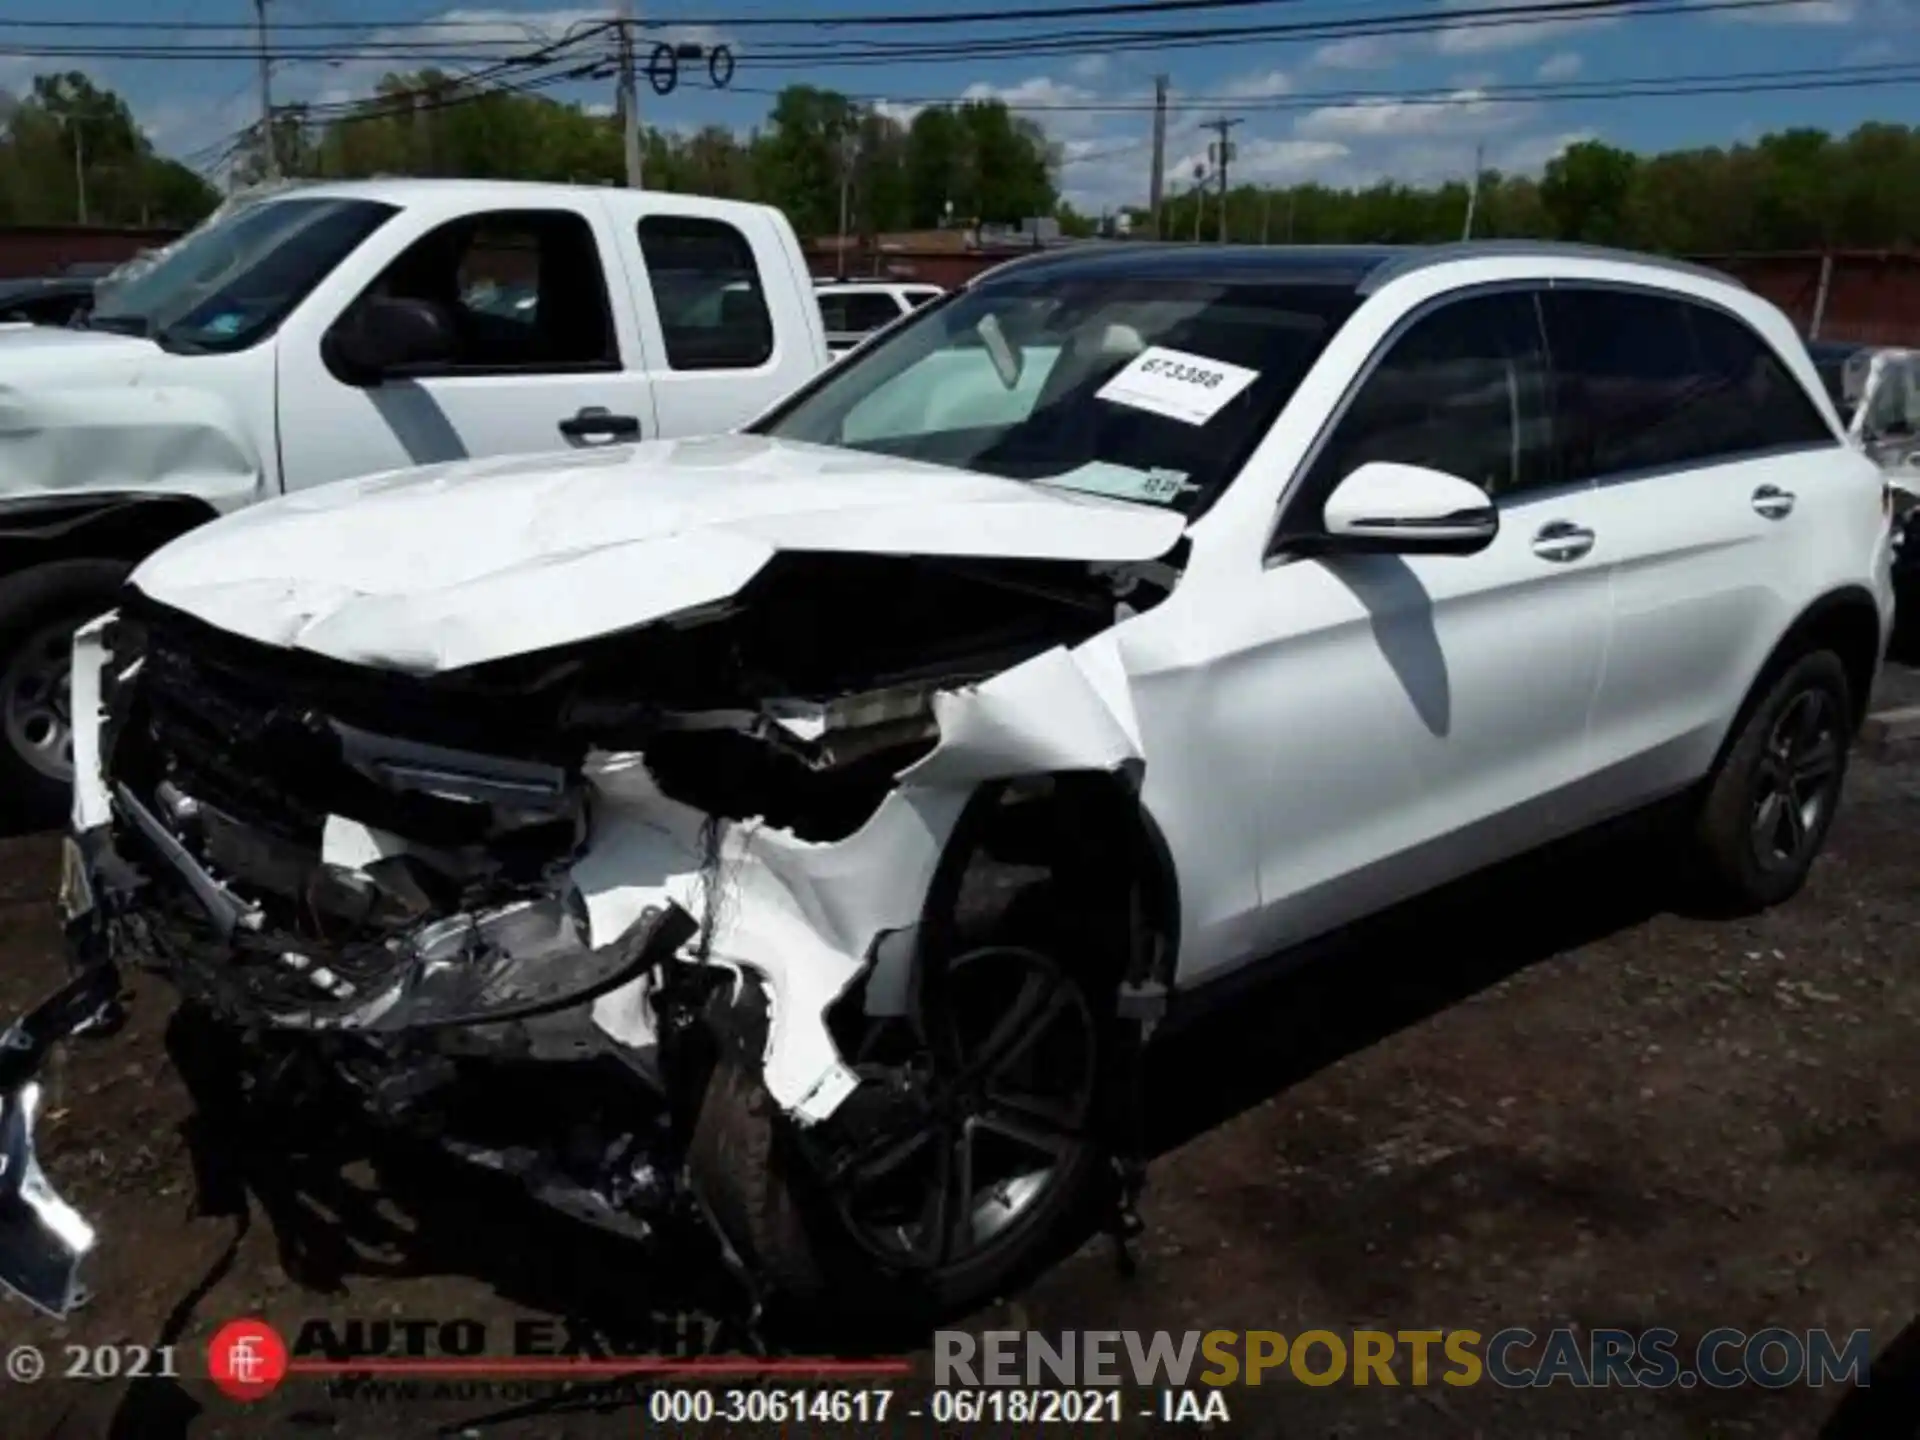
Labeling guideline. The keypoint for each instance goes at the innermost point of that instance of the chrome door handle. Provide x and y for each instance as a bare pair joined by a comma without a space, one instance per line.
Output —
1773,502
1561,541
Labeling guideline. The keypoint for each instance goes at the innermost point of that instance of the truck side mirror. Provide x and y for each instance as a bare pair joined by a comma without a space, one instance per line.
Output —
383,334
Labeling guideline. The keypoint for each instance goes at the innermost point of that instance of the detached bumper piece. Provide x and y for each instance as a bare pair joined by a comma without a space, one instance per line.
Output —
43,1239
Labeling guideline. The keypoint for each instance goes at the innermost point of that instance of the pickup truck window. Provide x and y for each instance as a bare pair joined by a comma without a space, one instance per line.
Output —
713,310
230,285
524,287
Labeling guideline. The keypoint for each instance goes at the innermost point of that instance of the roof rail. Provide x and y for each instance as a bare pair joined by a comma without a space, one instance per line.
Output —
1419,257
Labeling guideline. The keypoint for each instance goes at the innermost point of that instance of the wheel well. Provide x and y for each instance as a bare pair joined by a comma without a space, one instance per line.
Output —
1846,622
96,527
1087,837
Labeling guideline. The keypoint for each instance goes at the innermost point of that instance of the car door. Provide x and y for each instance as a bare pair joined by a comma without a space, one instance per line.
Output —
537,362
1406,719
1698,441
720,307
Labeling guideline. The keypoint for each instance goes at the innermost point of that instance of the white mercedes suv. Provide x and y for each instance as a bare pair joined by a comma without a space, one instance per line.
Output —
804,829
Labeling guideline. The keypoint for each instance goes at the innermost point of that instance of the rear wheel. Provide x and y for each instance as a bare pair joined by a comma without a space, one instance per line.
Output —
970,1151
1772,800
40,609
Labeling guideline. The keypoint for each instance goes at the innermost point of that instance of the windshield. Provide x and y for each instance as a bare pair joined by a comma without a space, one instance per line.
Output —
232,283
1145,389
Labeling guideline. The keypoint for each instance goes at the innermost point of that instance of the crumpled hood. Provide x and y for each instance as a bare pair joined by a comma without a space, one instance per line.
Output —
89,412
453,565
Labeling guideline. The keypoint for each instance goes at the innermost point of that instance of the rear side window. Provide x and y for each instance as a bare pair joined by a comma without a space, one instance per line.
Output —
856,312
713,307
1650,382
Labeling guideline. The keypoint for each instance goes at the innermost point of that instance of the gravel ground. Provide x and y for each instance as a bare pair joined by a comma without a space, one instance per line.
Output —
1543,1099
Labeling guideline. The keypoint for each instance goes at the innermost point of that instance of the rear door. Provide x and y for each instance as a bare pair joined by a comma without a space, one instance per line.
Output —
725,308
1705,453
541,362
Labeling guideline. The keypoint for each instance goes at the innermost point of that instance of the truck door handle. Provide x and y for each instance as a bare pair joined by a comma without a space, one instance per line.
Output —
1561,541
596,422
1773,502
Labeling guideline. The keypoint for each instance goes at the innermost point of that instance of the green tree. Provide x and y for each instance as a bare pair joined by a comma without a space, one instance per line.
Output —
1587,192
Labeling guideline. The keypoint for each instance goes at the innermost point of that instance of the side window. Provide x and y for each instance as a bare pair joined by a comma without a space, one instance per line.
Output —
917,298
1655,382
869,310
1464,390
713,309
524,288
833,314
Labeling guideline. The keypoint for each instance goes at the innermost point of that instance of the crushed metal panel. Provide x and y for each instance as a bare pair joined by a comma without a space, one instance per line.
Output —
803,916
127,439
91,806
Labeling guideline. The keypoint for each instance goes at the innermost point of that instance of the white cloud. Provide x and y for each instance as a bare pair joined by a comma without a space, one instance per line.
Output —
900,112
1360,52
1465,112
1482,33
1872,51
1561,65
1263,86
1532,154
1088,67
1270,160
483,31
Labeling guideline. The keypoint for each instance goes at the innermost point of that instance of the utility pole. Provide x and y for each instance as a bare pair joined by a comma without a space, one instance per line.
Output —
270,159
1266,212
629,96
79,172
1157,182
1199,199
1223,148
848,138
1473,190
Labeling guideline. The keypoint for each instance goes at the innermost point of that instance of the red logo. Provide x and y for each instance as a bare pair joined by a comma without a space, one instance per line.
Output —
247,1359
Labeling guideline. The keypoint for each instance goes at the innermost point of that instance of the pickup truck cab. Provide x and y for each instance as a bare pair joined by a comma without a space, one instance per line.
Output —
339,330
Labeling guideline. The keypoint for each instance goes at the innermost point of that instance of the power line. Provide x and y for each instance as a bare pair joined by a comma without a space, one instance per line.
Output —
1621,87
860,52
1081,41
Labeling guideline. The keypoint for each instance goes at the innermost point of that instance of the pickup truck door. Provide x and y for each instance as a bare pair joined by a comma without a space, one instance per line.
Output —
545,358
724,306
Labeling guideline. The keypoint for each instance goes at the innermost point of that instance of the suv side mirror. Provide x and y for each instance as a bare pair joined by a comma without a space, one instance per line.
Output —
385,333
1408,510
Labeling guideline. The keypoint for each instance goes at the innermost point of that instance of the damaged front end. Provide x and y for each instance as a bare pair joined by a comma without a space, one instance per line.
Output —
611,860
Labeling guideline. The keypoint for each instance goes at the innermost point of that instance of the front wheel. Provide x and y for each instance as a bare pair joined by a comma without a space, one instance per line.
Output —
972,1150
40,608
1772,800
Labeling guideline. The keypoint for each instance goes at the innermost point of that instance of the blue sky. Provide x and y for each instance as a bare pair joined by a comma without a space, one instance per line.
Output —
1357,133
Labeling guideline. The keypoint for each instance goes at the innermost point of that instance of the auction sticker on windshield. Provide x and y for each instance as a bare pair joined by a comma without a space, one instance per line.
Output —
1190,388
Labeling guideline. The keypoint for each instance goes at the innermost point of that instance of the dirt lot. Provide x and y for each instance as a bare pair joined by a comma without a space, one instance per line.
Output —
1548,1099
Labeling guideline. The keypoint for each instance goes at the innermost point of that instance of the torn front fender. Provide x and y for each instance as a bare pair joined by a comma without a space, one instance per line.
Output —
43,1239
805,916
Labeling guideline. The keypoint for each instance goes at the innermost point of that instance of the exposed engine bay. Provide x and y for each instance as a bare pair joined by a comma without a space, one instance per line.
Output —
733,830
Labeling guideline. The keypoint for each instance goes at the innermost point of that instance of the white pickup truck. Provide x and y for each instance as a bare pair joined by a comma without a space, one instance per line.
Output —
341,330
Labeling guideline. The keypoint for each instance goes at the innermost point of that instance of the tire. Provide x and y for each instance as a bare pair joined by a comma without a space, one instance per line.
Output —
40,608
1755,838
764,1186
